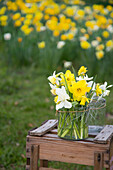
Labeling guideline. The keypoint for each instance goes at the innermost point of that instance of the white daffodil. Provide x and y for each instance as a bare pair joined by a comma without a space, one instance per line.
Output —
54,79
53,88
7,36
84,78
92,83
60,44
94,43
62,99
67,64
104,89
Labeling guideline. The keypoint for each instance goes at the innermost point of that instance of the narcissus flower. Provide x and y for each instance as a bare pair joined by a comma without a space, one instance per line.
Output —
99,54
82,71
41,44
54,79
85,44
79,89
98,90
62,99
105,34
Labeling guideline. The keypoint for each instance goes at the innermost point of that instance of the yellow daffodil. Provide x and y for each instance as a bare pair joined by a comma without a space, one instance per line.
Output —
41,44
82,71
16,16
98,90
84,99
85,44
105,34
79,89
100,54
68,76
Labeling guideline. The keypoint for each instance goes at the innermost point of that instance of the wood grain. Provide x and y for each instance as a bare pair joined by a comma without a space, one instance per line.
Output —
49,125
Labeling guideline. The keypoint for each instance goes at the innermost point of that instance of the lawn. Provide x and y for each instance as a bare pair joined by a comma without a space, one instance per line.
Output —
25,103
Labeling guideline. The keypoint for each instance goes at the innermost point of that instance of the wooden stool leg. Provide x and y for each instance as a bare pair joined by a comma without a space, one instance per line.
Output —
43,163
34,157
98,160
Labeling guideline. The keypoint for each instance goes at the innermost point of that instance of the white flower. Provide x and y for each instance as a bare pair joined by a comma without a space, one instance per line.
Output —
104,89
53,88
7,36
110,28
94,43
60,44
83,38
84,78
62,99
67,64
43,28
54,79
96,28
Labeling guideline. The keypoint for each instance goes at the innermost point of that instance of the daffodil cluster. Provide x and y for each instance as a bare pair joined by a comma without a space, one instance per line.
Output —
71,91
70,20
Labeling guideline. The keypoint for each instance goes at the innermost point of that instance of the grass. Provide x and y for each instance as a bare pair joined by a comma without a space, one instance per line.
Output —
25,102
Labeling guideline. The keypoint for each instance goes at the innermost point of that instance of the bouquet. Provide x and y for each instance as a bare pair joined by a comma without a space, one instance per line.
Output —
73,96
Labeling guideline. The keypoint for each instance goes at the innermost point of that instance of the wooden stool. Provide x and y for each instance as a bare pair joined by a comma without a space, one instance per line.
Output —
97,150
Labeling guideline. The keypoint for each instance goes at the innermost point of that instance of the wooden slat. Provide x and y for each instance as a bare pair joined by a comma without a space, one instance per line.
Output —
98,160
34,157
104,135
49,125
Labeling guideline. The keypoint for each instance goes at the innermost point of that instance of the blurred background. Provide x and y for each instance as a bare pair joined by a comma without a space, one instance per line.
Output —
36,38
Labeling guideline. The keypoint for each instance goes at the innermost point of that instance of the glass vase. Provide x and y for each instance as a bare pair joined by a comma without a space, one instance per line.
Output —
73,125
97,115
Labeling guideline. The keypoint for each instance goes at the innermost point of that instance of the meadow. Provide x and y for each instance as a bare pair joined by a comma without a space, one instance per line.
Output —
36,38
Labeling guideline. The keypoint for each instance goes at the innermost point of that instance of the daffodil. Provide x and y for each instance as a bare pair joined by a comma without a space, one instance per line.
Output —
84,78
82,71
104,88
54,79
62,100
84,99
98,90
79,89
68,77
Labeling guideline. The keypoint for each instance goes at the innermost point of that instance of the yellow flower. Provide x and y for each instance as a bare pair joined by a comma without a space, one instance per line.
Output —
69,77
79,89
105,34
109,8
17,23
82,71
84,99
16,16
46,17
55,99
19,39
109,43
3,23
27,31
99,54
63,37
2,10
24,27
99,39
70,36
41,44
111,15
81,13
98,90
3,18
83,30
85,44
56,33
100,47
